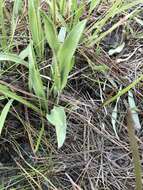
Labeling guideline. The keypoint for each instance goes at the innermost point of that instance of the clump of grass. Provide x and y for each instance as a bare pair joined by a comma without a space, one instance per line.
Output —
63,51
61,30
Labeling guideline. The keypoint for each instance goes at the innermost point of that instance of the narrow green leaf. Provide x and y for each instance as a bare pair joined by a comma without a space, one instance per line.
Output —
4,114
78,13
62,5
35,81
133,110
36,26
67,50
39,138
93,5
58,119
114,117
6,92
12,57
2,26
74,5
139,21
17,9
50,32
135,151
123,91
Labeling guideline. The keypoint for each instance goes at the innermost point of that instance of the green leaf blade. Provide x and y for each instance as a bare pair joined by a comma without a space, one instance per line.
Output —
12,57
57,117
133,111
7,93
35,81
67,50
4,114
50,32
36,26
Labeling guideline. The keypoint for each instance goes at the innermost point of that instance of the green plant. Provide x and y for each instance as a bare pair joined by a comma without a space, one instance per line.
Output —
2,26
4,114
35,26
62,52
66,27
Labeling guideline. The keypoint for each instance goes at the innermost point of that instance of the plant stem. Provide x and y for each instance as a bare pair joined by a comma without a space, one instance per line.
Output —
135,151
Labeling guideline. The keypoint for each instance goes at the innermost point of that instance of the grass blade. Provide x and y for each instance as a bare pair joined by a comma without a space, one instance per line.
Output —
17,9
62,4
2,26
135,152
124,91
133,110
114,117
36,26
12,57
93,5
4,114
68,49
50,32
78,13
6,92
35,81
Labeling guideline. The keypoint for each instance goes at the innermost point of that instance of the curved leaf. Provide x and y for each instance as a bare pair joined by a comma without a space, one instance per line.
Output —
58,119
4,114
12,57
50,32
67,50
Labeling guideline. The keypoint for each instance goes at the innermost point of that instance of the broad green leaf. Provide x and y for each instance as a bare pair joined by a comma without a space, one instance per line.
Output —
12,57
67,50
4,113
6,92
133,110
57,117
36,26
50,32
70,44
